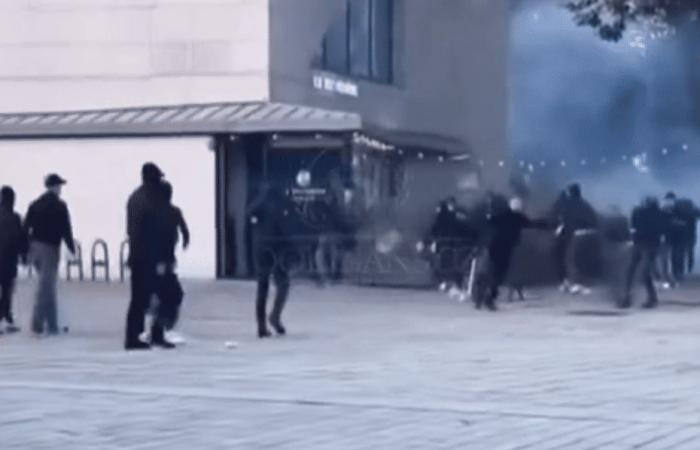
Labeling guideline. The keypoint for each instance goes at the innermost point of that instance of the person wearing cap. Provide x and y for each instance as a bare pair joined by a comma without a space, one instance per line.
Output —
13,245
47,225
146,213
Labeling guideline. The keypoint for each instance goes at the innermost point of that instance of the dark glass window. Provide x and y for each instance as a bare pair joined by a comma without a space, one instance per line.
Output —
360,43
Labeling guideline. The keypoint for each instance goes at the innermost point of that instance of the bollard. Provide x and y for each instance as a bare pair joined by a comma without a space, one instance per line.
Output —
104,262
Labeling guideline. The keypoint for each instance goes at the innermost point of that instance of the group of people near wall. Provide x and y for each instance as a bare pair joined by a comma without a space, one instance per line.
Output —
662,238
154,226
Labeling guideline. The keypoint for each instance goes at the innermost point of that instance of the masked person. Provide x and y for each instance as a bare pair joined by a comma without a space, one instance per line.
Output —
47,225
13,246
279,238
647,228
506,227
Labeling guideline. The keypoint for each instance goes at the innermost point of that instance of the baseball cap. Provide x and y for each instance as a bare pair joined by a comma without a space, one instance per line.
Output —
53,180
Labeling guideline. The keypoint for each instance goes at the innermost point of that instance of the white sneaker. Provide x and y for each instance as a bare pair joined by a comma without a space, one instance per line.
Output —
463,297
175,337
443,287
454,293
575,289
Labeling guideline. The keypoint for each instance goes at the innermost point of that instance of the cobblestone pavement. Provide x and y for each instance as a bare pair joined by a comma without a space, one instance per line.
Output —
361,369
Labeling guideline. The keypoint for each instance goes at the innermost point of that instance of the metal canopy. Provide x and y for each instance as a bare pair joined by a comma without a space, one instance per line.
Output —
247,117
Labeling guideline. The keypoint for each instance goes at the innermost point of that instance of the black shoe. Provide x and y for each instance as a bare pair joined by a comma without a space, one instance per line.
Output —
276,325
137,345
163,343
624,304
492,307
264,333
651,304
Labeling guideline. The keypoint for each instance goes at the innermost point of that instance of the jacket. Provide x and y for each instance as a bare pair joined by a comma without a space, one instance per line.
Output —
13,242
48,221
146,210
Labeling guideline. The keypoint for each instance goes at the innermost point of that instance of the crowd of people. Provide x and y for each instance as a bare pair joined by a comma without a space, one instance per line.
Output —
154,225
472,249
662,238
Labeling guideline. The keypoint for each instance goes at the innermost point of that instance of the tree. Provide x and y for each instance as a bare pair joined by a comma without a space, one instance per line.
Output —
611,18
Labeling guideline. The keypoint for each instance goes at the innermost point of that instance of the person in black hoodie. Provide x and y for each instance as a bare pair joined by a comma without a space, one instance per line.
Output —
279,237
47,224
146,215
170,291
648,226
571,213
506,225
13,246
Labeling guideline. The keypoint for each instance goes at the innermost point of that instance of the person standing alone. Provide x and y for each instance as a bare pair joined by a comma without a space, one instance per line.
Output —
13,244
48,224
146,214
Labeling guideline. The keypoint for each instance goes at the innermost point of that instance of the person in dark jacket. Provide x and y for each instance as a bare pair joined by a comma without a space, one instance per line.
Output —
687,213
674,237
13,246
451,238
506,227
671,243
170,291
648,226
146,212
571,213
47,225
278,238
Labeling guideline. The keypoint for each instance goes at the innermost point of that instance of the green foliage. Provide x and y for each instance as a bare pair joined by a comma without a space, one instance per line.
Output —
611,18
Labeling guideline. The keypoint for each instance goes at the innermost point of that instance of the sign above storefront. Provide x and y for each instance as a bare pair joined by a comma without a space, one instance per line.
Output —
328,82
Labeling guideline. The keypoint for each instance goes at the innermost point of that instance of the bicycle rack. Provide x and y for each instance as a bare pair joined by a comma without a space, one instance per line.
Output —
96,263
77,262
123,259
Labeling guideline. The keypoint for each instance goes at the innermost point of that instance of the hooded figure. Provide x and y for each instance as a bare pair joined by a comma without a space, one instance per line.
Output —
13,246
146,213
170,291
648,225
506,227
571,213
279,238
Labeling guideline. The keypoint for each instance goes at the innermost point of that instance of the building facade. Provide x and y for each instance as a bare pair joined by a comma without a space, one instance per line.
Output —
400,101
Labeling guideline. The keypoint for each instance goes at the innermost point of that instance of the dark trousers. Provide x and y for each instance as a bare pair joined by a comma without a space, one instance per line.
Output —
144,284
690,255
561,252
170,296
7,287
643,257
678,259
500,264
271,264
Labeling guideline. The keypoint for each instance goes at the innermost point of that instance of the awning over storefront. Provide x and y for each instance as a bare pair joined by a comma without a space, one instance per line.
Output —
192,119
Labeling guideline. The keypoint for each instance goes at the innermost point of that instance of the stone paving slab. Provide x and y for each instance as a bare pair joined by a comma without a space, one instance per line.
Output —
361,369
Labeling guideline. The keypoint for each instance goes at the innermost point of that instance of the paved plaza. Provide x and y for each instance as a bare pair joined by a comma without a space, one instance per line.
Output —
362,369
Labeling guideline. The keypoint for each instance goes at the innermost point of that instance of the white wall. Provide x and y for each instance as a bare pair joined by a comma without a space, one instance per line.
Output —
102,174
78,54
